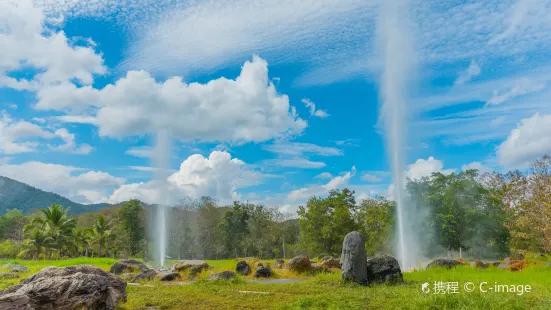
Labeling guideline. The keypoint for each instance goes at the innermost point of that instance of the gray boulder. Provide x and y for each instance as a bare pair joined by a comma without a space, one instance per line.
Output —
15,268
243,268
74,287
382,269
167,276
299,263
224,275
443,262
127,265
185,265
354,259
8,275
145,275
14,301
263,272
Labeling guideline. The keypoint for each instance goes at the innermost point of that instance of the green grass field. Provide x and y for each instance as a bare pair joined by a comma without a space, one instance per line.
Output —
325,291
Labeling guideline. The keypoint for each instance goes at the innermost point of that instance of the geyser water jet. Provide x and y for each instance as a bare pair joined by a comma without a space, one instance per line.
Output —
162,164
397,55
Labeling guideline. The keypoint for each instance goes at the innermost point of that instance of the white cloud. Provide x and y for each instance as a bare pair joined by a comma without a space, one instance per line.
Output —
141,151
336,182
15,135
371,178
67,181
425,167
476,165
348,142
522,87
300,149
324,175
27,44
295,154
20,136
472,71
530,140
238,111
218,176
69,144
312,107
295,163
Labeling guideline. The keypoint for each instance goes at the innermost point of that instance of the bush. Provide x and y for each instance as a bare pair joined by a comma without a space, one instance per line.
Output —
10,249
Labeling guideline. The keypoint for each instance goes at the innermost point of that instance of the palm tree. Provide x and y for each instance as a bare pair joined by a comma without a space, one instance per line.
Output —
56,224
101,231
38,242
82,237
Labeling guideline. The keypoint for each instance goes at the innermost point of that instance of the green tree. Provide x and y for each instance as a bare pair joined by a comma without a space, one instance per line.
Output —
376,217
101,232
325,221
11,225
131,218
234,228
38,243
54,222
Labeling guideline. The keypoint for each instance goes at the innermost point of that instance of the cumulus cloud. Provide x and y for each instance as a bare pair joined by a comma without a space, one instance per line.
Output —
26,43
530,140
472,71
71,182
69,144
246,109
218,176
425,167
15,135
336,182
476,165
312,107
20,136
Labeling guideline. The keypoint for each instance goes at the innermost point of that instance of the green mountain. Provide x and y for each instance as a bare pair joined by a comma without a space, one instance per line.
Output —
27,199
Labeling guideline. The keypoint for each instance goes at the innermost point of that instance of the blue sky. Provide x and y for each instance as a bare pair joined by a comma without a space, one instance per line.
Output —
267,101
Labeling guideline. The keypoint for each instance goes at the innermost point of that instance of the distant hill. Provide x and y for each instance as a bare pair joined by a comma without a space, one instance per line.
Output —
27,199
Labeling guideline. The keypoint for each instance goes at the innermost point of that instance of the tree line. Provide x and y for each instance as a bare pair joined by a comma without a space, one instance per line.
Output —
483,215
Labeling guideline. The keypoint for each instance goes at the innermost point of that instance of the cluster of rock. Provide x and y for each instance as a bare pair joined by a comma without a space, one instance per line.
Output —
74,287
357,267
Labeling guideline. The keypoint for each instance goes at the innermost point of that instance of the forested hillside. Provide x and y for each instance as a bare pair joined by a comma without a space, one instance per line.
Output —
27,199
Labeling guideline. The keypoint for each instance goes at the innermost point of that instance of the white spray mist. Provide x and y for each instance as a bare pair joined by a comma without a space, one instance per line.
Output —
395,46
162,164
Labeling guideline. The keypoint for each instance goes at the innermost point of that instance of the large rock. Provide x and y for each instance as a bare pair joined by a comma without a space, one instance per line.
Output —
145,275
331,263
443,262
8,275
185,265
354,259
150,274
263,272
14,301
299,263
382,269
224,275
15,268
127,265
243,268
74,287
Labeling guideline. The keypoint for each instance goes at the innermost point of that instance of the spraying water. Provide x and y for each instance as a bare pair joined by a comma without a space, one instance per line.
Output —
396,49
162,158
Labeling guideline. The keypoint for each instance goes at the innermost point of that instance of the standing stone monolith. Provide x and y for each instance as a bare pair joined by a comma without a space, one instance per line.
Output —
354,258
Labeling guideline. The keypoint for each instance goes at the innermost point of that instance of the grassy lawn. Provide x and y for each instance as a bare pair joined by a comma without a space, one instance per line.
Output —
325,291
